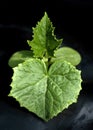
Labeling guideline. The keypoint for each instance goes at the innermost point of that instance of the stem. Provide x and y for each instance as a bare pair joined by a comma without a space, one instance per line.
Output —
47,60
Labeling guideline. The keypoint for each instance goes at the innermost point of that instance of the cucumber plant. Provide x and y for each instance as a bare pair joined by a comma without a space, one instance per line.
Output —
45,78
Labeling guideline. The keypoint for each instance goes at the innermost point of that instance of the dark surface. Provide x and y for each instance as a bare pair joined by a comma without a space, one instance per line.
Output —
78,116
73,22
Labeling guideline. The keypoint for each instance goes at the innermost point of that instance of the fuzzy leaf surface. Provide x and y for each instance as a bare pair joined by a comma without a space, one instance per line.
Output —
44,41
45,92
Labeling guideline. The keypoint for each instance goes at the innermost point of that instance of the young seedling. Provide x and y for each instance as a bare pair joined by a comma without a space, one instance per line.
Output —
45,78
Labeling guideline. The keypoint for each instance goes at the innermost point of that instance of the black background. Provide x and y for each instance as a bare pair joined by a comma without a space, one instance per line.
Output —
74,23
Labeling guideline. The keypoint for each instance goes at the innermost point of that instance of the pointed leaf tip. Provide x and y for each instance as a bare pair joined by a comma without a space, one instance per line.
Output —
44,41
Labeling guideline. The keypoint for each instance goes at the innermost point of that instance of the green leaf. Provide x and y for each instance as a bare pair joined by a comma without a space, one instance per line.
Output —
67,54
45,92
19,57
44,41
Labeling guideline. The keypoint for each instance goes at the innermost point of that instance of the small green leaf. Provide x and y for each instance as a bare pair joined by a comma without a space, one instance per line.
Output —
19,57
67,54
44,41
45,92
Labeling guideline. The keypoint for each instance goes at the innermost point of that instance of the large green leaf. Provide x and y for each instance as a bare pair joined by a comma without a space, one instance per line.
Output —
44,41
68,54
45,92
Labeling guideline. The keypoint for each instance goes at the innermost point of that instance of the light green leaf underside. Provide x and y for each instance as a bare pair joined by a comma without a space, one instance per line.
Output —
67,54
45,93
44,41
19,57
